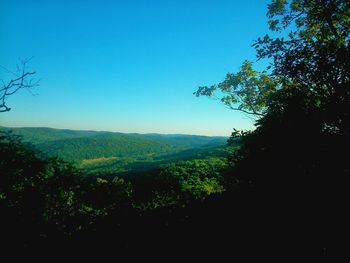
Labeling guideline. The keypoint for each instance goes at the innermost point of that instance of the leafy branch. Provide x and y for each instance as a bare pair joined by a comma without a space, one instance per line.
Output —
246,91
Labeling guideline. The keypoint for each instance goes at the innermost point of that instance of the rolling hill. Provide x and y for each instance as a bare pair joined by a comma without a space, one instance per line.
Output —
74,145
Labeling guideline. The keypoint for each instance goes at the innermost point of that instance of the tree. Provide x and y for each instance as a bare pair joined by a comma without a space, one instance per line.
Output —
315,54
312,69
293,164
304,94
21,80
246,91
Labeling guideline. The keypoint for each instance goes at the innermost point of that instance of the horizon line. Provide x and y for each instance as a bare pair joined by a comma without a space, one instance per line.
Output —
97,130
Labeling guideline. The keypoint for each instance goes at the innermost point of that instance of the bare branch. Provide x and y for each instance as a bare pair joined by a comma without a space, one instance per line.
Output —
19,82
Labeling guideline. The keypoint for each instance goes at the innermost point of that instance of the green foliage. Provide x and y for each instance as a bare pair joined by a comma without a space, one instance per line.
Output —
305,121
36,135
291,175
108,193
247,91
51,195
49,199
77,146
294,161
129,166
315,52
292,167
198,178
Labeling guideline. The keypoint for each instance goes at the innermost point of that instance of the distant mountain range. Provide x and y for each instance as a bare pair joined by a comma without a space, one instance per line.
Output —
80,145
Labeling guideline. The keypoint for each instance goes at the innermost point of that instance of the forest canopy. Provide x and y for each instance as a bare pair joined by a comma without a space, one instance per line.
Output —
282,188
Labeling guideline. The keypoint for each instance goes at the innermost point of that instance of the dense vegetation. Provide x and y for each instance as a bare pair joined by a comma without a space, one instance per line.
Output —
294,164
108,154
50,200
133,166
285,190
73,145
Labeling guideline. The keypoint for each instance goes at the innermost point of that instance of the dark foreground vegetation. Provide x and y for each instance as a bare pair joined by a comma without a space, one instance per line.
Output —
285,191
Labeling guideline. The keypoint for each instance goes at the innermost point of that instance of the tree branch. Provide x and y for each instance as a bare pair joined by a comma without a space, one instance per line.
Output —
14,85
245,111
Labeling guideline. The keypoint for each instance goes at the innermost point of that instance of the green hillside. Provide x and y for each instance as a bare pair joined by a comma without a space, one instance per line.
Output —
80,145
37,135
121,145
131,167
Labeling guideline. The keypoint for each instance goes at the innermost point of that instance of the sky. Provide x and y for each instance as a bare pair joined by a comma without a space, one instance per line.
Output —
127,66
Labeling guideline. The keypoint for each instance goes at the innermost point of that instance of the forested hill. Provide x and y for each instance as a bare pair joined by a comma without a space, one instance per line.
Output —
37,135
81,145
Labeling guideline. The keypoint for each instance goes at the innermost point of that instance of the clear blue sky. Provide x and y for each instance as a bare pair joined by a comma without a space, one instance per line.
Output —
128,66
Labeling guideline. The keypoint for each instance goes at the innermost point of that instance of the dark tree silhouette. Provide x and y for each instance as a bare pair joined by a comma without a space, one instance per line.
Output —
21,79
293,168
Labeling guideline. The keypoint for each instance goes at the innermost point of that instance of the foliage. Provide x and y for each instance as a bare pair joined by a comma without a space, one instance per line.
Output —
38,135
108,193
247,91
291,175
77,146
292,166
131,166
45,197
198,178
311,107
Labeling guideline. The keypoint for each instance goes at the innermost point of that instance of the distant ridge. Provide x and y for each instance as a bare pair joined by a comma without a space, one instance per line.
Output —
79,145
23,130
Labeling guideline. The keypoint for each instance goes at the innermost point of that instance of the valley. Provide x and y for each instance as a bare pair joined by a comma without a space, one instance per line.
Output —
108,154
